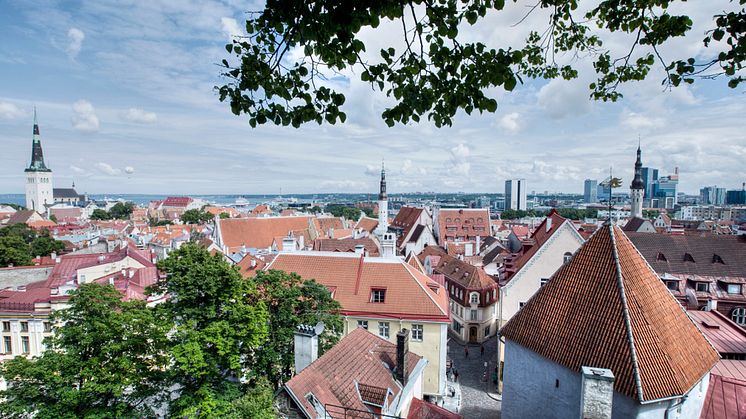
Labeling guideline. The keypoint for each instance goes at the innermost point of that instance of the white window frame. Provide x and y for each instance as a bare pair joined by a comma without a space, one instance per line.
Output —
736,287
474,298
738,315
378,295
417,333
363,324
384,329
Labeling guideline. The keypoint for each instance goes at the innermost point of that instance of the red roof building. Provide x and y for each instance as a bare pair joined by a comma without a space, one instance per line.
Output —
461,224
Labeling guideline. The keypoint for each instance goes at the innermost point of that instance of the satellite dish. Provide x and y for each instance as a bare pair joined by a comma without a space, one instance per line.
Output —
319,329
691,299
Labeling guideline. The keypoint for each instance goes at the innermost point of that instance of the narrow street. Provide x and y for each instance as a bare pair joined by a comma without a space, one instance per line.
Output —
476,403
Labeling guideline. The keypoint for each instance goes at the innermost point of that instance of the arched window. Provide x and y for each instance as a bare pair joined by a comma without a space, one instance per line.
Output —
738,315
567,257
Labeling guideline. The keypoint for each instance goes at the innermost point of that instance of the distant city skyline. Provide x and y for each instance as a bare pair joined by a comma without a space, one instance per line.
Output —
125,109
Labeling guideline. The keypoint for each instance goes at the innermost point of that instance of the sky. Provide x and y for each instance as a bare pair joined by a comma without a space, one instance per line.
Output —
125,97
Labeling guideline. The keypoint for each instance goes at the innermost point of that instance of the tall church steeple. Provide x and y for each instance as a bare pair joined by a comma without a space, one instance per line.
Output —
37,155
383,206
637,187
382,193
39,190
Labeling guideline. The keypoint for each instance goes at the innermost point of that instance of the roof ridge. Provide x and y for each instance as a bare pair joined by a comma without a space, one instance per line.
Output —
424,288
625,311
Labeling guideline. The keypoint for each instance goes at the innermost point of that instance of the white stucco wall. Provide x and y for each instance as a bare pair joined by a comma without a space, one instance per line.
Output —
531,390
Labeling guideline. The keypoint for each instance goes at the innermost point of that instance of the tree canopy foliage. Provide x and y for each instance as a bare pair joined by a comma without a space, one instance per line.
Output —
195,216
350,213
570,213
437,72
19,244
120,211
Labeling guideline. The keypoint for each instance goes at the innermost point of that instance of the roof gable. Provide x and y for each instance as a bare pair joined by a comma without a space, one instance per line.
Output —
607,308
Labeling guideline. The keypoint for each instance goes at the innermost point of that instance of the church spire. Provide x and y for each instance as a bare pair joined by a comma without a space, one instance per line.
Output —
382,194
637,182
37,155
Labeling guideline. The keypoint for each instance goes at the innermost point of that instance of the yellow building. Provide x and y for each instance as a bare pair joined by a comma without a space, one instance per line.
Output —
383,295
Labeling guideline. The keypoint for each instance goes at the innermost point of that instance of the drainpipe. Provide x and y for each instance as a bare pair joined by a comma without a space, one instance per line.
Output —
674,403
497,335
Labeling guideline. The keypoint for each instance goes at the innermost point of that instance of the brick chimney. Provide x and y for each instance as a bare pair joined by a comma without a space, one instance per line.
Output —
402,350
596,393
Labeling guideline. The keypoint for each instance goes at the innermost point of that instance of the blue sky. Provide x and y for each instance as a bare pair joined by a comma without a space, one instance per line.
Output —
125,97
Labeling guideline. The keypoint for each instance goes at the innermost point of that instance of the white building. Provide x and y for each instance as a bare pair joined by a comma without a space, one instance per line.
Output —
515,194
39,191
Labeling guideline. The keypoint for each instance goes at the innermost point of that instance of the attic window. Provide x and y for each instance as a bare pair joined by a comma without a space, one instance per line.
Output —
672,285
717,259
703,287
661,257
688,257
378,295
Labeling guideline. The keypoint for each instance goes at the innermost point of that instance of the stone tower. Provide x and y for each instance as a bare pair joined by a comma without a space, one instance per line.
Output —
39,191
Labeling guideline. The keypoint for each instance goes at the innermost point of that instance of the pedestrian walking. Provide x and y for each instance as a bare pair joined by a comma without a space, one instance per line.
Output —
466,351
455,376
481,350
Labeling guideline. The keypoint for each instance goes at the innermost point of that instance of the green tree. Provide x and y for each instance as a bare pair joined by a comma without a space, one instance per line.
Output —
350,213
19,244
99,214
121,210
106,360
195,216
53,218
14,251
292,301
218,324
224,215
256,403
439,71
45,245
369,212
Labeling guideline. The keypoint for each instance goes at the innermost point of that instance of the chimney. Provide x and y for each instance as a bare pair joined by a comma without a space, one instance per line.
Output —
549,223
597,393
306,345
111,281
402,348
132,273
253,263
359,249
479,245
288,243
53,256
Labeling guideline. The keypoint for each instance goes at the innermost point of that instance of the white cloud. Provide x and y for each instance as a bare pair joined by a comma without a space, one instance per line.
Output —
78,170
84,117
372,170
562,98
637,121
10,111
140,116
107,169
510,122
459,162
75,39
230,27
129,170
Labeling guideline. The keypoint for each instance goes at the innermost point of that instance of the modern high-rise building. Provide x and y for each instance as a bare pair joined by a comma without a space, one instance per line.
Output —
712,195
39,191
665,192
515,194
590,191
736,197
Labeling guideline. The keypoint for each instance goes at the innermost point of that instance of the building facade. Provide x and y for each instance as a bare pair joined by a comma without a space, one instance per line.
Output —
515,194
590,191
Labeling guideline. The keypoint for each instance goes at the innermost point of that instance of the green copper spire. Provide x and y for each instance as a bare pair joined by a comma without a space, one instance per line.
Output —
37,155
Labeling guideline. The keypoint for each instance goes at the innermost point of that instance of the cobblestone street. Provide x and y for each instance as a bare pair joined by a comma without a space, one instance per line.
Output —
476,403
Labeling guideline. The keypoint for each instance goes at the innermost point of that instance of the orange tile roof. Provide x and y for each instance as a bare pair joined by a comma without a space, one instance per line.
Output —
367,224
345,245
246,268
467,223
607,308
358,359
258,232
408,292
216,211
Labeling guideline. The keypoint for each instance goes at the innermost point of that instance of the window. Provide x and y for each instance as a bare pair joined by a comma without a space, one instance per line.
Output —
363,324
734,288
47,327
6,326
378,295
457,326
383,329
739,315
702,287
24,326
25,347
417,332
567,257
474,298
674,285
544,281
473,314
486,331
7,345
521,304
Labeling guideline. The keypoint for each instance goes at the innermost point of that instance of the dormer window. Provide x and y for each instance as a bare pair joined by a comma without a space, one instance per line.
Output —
567,257
688,257
474,298
378,295
734,289
661,257
703,287
717,259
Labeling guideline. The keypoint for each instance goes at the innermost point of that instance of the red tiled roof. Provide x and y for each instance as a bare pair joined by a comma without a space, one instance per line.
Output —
467,223
405,219
324,224
607,308
360,357
520,231
345,245
541,235
367,224
420,409
245,267
468,276
177,201
408,294
258,232
725,399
